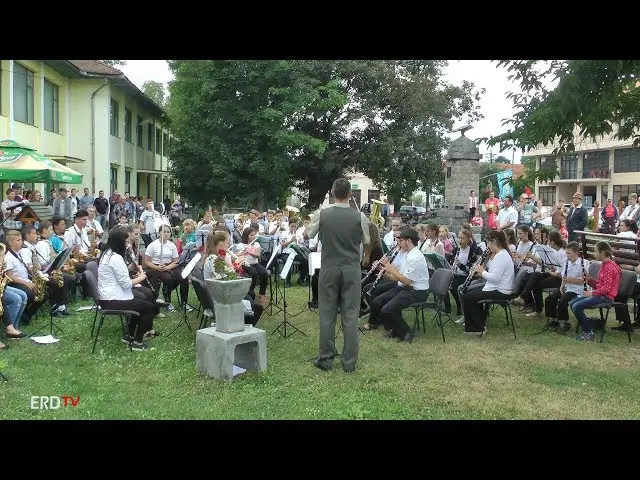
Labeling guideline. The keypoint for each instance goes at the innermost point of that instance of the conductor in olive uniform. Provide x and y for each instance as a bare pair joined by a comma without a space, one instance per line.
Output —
342,230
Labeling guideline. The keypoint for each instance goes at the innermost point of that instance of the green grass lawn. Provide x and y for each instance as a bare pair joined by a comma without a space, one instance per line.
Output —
546,376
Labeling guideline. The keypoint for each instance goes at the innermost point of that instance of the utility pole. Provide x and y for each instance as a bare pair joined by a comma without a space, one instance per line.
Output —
490,157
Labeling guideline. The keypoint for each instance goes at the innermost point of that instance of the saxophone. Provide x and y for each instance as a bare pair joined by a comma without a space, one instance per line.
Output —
38,279
56,275
94,251
3,278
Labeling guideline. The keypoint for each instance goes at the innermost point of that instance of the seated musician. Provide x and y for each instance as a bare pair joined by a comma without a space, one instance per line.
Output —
315,245
570,273
59,228
45,255
77,238
606,289
161,266
524,265
465,258
94,229
371,255
287,238
546,273
499,285
133,261
249,250
218,244
14,302
412,286
189,232
116,289
19,264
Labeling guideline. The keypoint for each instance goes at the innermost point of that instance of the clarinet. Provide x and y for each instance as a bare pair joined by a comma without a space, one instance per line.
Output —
584,273
469,279
131,255
563,287
375,264
375,282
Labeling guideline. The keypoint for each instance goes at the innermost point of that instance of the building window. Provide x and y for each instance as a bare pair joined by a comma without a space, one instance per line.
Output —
547,195
127,125
569,167
158,141
626,160
51,107
165,143
595,164
621,192
22,94
139,130
114,179
115,114
150,137
127,181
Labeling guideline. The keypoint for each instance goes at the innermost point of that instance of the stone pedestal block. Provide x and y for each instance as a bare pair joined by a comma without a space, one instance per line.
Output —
227,296
217,352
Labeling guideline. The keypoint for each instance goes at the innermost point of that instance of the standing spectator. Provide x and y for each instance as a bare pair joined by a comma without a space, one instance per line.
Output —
86,200
102,207
63,206
577,217
472,204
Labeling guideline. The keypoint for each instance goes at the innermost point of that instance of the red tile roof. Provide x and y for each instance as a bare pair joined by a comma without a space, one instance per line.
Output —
94,66
518,168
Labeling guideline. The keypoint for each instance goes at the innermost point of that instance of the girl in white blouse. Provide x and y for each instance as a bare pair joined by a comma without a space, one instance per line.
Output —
115,289
499,277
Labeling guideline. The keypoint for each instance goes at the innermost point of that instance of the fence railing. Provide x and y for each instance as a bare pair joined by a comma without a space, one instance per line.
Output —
626,251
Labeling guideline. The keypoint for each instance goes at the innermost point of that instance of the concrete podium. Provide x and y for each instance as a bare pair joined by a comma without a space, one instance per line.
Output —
217,352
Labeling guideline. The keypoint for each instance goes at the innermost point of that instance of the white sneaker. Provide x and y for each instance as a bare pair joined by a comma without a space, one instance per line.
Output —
160,315
460,320
208,313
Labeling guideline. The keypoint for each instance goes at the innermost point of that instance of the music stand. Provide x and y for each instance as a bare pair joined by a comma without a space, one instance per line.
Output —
186,271
273,279
285,322
56,264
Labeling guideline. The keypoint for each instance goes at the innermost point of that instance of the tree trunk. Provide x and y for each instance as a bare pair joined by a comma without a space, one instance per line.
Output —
317,194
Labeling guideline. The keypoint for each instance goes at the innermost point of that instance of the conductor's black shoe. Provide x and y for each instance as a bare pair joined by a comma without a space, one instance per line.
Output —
323,365
349,369
406,338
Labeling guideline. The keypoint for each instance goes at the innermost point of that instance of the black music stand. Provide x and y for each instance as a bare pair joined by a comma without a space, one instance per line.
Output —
274,291
282,328
57,264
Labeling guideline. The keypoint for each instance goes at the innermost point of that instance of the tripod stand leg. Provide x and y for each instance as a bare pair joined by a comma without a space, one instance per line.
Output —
285,322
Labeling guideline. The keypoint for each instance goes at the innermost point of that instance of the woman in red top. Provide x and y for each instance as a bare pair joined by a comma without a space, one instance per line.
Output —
605,290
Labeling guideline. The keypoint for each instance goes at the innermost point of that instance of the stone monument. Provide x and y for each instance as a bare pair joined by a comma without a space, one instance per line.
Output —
462,174
230,343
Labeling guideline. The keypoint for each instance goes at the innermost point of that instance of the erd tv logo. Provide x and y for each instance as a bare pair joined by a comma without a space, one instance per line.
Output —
52,402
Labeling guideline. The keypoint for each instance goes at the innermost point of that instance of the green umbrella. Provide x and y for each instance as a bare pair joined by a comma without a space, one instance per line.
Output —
20,163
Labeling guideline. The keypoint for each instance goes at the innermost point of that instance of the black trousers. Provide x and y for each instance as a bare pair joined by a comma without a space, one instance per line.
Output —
258,275
455,284
145,293
314,286
60,295
387,308
138,326
169,280
537,282
475,316
557,305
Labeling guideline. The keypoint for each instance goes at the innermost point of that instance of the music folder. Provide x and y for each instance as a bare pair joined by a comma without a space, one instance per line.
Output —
60,260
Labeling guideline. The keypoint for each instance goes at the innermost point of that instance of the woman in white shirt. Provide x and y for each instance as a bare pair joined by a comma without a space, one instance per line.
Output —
115,289
249,250
499,284
161,266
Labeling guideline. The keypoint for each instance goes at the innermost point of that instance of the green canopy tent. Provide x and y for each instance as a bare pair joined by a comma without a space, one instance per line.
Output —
23,164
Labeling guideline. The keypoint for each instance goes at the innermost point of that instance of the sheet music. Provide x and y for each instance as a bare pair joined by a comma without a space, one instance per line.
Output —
287,266
314,262
275,252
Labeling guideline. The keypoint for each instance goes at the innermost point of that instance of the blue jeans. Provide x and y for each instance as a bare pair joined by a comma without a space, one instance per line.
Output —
14,301
578,306
102,218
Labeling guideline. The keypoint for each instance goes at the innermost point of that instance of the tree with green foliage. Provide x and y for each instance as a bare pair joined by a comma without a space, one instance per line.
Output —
259,127
114,63
155,91
563,100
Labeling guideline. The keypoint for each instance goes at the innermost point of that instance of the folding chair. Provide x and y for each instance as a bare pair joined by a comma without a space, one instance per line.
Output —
92,286
439,285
